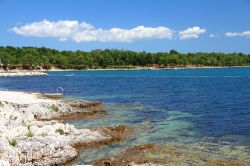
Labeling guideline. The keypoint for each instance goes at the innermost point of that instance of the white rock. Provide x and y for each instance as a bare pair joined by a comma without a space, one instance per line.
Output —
37,142
4,163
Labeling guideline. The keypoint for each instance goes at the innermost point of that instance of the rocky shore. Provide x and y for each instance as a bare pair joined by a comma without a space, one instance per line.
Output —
22,73
42,72
32,131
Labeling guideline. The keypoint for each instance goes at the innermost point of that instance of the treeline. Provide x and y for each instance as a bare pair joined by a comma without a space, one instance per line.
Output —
34,58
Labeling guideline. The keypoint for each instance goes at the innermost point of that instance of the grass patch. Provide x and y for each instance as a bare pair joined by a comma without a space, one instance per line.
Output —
1,104
29,133
43,134
28,126
54,108
13,142
13,117
60,131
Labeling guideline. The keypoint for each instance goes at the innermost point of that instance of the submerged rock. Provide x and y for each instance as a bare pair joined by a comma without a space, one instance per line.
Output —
55,96
132,156
157,155
80,114
224,163
83,103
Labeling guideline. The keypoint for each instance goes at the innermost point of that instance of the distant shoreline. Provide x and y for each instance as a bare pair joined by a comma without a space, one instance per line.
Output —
111,69
42,72
165,68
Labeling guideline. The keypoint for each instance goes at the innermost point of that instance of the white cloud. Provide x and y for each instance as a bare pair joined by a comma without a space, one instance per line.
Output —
191,33
85,32
214,35
235,34
231,34
61,29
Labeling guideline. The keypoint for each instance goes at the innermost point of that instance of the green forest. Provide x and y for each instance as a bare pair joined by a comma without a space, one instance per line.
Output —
46,58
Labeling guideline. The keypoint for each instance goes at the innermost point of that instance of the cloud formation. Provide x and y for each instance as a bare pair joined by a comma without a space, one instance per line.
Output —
236,34
191,33
214,35
85,32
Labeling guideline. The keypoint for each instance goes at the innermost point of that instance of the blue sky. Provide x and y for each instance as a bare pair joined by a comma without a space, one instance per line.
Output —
149,25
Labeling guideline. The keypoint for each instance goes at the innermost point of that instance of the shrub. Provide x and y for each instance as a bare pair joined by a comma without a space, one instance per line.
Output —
29,133
28,126
1,104
13,117
54,108
60,131
13,142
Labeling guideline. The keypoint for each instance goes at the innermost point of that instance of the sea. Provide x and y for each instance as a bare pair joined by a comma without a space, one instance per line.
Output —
193,109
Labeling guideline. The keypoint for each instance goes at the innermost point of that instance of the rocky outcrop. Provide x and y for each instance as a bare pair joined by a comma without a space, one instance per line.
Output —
31,133
170,155
135,156
83,103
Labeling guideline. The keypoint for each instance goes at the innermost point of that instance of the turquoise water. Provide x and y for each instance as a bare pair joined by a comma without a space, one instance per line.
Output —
193,108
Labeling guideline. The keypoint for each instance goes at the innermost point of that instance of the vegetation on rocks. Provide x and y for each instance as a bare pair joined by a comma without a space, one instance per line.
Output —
54,108
13,117
36,131
29,133
13,142
60,131
1,104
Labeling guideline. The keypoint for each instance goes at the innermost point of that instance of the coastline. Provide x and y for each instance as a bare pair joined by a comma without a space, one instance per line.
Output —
42,72
164,68
143,68
33,131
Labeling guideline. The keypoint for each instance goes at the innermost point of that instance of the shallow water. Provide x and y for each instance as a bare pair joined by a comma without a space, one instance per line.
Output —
200,109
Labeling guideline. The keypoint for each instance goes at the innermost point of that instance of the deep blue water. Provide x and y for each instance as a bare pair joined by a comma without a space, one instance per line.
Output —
176,104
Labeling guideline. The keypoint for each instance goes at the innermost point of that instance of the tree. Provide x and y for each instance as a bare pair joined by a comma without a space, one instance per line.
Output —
173,52
5,59
30,57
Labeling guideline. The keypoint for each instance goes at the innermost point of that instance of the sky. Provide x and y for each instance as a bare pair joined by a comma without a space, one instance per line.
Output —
139,25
